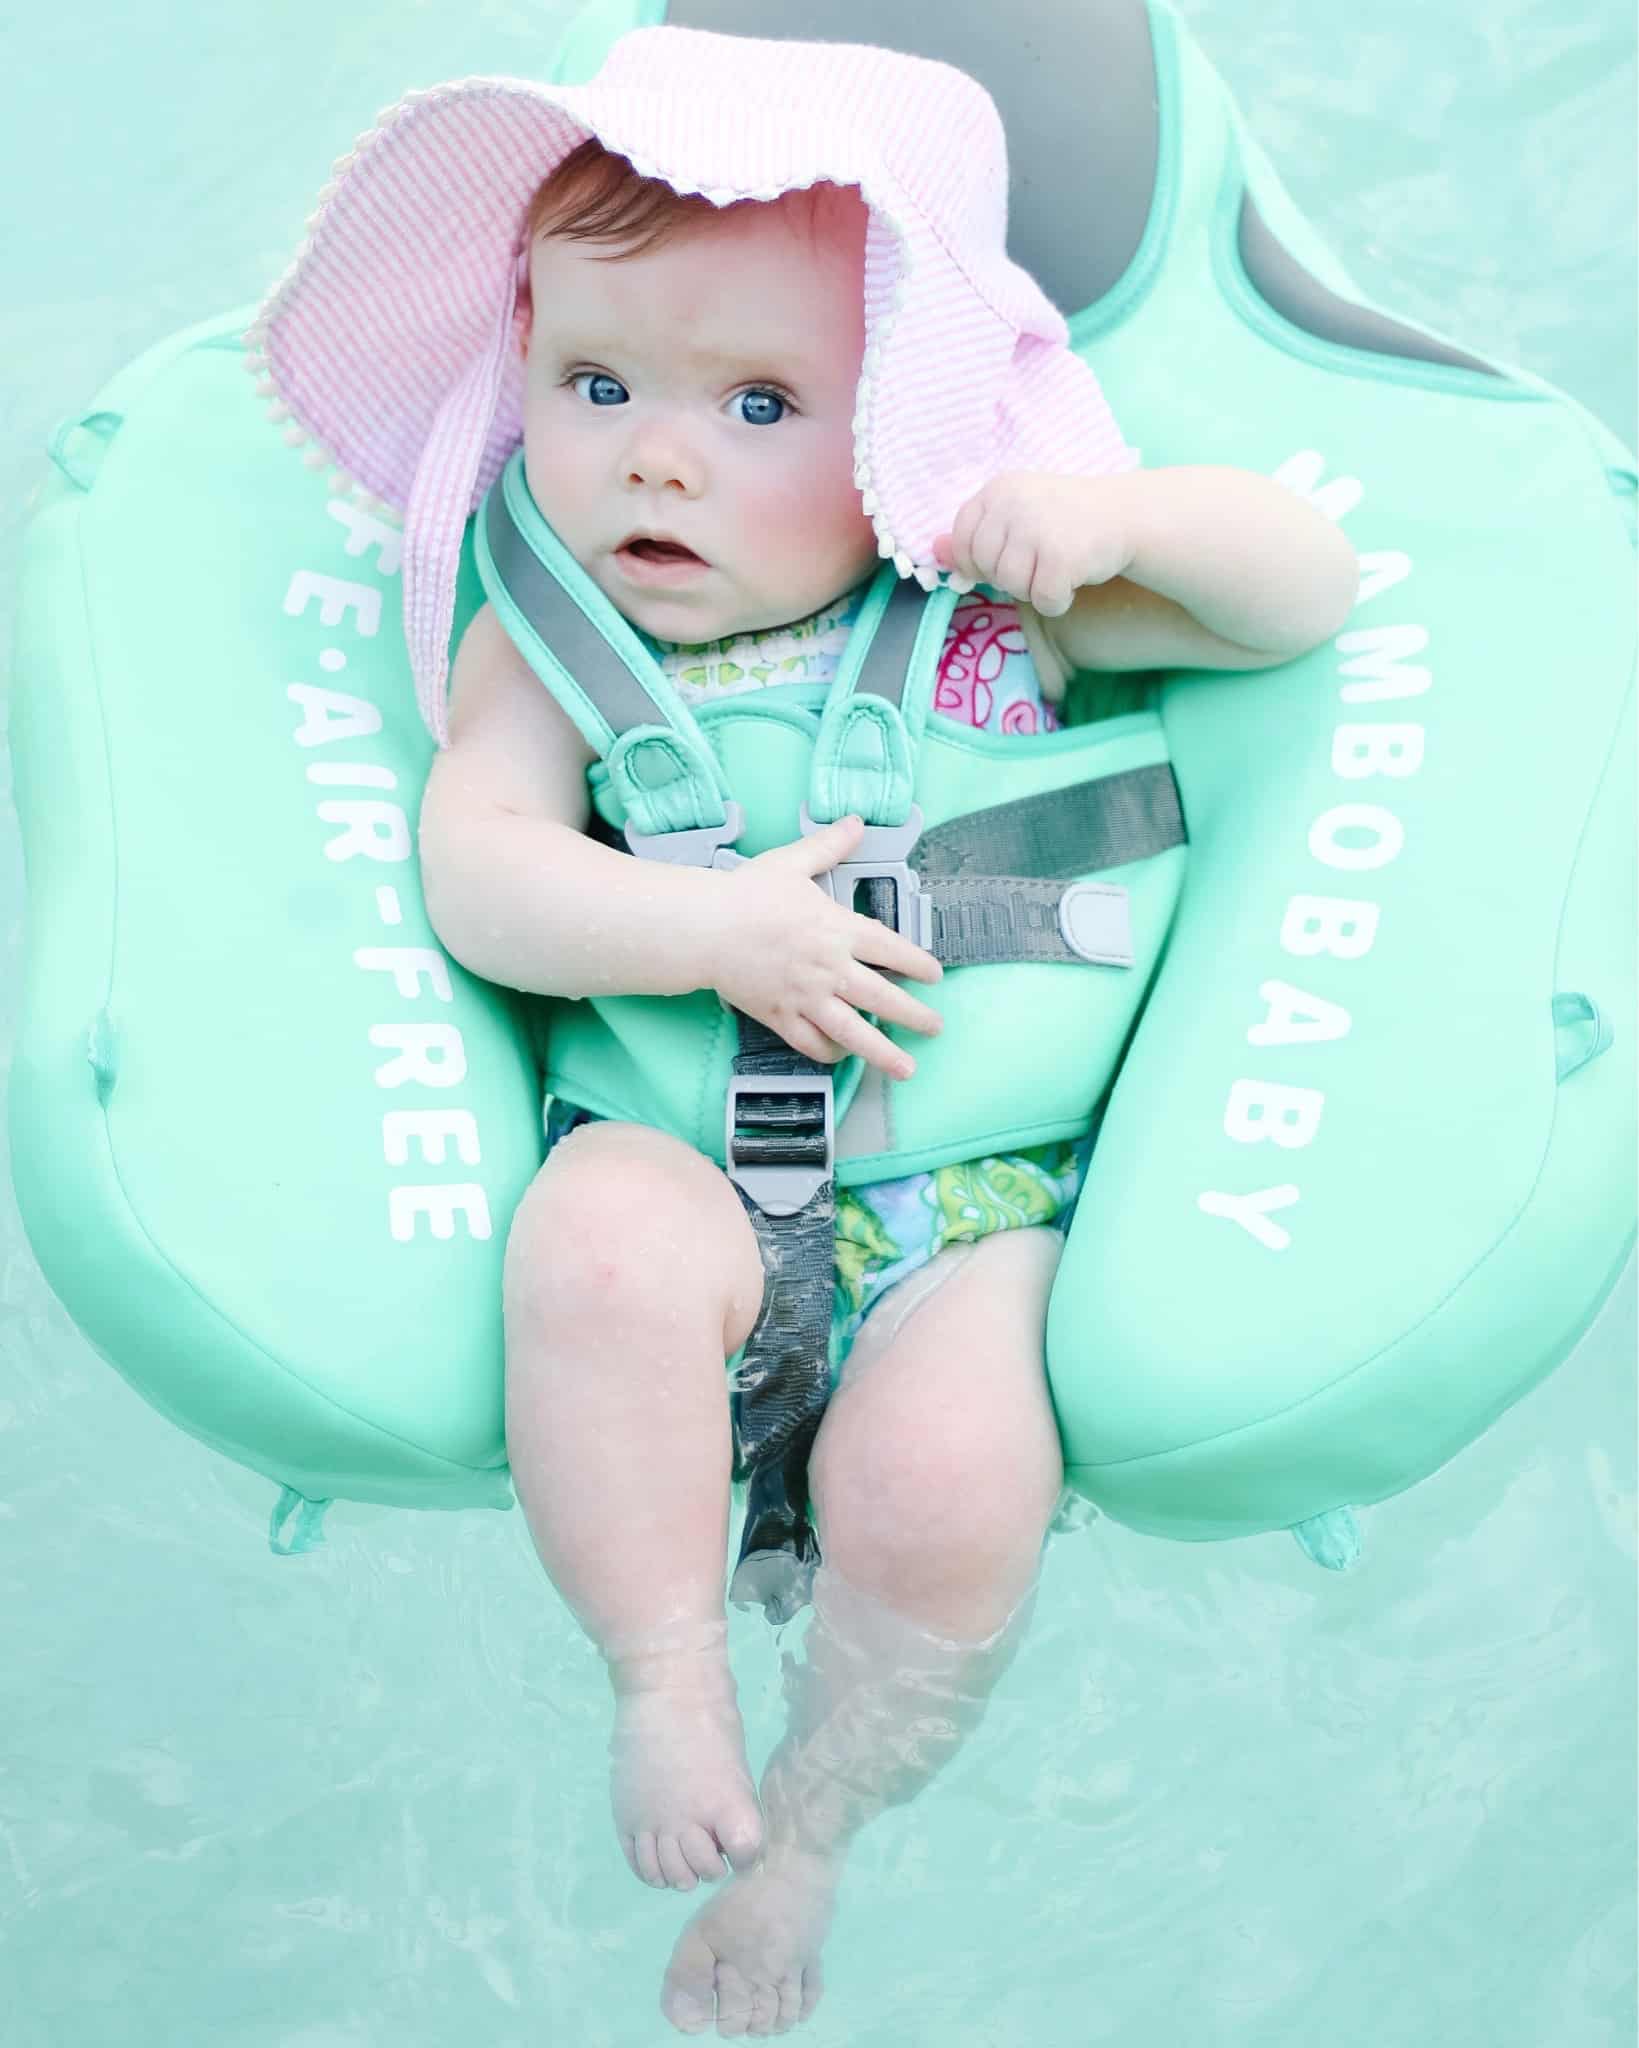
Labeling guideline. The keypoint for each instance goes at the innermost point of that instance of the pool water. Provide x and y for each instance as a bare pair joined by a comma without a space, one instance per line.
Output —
359,1798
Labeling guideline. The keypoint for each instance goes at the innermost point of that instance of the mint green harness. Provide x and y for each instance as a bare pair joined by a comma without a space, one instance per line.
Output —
1051,891
1083,824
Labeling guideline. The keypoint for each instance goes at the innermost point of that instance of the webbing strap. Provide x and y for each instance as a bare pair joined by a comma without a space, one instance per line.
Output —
784,1378
660,763
876,708
1077,830
989,919
997,881
780,1143
596,665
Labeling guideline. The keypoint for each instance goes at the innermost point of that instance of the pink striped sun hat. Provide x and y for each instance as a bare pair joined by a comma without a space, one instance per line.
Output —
393,338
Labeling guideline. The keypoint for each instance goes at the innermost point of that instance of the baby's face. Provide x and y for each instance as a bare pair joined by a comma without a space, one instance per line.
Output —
705,391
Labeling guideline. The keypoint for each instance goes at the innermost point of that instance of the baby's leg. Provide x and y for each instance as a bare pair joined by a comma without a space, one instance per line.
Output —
935,1475
632,1273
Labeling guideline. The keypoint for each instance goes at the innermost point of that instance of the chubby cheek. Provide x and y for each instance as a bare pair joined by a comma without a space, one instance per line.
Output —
553,470
772,513
806,517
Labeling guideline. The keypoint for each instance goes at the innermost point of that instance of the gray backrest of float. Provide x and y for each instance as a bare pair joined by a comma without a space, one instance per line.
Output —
1075,84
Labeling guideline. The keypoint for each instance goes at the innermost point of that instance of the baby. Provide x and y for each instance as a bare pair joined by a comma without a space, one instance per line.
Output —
691,377
747,307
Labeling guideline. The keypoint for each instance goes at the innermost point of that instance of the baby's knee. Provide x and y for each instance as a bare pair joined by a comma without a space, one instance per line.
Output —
584,1217
620,1212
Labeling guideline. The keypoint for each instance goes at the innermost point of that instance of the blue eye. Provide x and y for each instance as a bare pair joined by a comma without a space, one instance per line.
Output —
600,377
763,398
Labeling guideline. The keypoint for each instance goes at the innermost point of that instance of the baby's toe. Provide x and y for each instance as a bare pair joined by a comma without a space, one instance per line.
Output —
642,1853
736,2000
702,1854
689,1992
741,1835
675,1867
813,1987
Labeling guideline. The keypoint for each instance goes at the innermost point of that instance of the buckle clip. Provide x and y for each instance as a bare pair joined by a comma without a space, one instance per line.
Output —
882,857
779,1186
698,846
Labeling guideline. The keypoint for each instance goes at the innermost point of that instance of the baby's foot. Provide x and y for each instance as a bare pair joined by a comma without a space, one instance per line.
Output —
683,1795
752,1953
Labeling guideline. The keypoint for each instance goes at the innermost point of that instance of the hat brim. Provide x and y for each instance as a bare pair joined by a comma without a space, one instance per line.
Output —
393,338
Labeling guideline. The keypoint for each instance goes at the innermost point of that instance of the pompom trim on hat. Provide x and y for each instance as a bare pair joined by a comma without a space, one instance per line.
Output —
340,483
318,456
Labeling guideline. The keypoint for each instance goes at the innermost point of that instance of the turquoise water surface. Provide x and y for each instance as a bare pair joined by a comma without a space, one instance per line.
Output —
358,1799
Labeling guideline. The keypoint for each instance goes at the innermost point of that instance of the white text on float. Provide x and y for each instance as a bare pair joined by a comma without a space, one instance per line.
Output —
1344,928
426,1055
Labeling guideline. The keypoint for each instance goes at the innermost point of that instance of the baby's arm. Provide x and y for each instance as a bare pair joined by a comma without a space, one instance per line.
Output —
515,889
519,894
1228,569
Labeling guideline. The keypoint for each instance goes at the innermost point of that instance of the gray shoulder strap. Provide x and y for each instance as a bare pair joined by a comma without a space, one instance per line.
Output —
593,660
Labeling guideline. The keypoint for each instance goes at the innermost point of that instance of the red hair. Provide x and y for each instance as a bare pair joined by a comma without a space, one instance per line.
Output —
596,196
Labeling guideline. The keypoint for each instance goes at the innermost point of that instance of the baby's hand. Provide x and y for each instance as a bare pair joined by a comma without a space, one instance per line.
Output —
1041,537
792,958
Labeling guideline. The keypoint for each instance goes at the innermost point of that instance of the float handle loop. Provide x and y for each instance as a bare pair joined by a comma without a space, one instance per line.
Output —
104,424
1571,1007
306,1533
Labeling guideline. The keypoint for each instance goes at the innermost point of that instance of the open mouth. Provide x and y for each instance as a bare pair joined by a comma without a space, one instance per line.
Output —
659,551
658,561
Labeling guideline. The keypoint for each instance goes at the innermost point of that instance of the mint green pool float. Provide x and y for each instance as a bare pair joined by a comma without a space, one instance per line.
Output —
1365,1174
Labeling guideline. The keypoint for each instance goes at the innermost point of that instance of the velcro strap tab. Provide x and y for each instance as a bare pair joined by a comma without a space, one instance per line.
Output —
1096,920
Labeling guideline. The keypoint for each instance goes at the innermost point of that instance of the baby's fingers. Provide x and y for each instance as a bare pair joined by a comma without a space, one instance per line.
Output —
850,1030
883,998
801,1036
880,944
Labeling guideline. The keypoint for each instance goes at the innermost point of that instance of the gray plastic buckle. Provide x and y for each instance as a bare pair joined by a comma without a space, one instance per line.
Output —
780,1190
699,846
881,856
